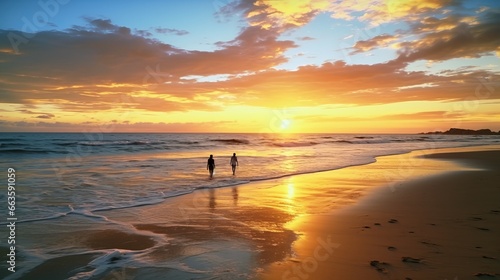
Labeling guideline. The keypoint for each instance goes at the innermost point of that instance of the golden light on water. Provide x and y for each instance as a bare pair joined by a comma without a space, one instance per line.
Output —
291,191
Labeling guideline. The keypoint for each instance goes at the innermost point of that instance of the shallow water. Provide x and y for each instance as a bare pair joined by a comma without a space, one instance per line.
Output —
67,183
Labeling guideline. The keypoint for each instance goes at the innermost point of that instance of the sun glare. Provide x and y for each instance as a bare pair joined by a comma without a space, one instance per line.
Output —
285,124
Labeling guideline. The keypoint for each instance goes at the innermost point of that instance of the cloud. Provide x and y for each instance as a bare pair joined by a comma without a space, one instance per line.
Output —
277,15
450,37
305,38
100,49
425,116
91,127
104,67
340,83
439,30
376,12
415,116
96,67
40,114
178,32
459,33
102,24
47,116
373,43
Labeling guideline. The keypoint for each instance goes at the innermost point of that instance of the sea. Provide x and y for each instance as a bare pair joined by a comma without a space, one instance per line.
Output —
58,174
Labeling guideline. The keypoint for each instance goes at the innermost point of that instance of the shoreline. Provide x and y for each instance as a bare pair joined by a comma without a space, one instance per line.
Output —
266,216
283,177
438,226
271,227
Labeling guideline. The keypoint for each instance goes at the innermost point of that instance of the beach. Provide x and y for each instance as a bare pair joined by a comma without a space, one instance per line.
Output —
438,226
250,139
428,214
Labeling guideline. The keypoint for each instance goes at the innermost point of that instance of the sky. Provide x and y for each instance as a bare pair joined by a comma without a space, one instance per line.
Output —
262,66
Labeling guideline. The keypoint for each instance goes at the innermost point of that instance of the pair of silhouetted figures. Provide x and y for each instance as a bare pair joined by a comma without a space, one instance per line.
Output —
211,164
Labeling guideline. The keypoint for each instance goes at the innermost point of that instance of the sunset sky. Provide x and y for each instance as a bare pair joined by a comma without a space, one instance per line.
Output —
338,66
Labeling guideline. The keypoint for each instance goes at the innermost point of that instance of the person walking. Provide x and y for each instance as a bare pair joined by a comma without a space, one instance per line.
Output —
234,162
211,165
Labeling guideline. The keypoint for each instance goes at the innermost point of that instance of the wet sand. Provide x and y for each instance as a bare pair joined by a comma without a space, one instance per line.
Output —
442,226
431,214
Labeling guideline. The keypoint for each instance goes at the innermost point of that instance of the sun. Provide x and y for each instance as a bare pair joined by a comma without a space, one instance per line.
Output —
285,124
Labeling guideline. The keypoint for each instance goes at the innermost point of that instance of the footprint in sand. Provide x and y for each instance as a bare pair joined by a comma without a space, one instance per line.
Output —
429,243
411,260
482,274
380,266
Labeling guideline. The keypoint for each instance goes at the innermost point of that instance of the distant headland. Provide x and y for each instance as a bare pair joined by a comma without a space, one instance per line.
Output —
460,131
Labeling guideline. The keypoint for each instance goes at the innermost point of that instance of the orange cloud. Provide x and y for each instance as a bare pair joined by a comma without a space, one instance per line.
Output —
373,43
452,38
339,83
102,76
113,126
270,13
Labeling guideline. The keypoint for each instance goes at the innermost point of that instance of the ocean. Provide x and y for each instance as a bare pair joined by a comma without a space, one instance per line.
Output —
87,174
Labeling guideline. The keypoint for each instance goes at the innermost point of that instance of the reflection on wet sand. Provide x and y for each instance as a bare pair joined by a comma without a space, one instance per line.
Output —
235,196
212,203
243,215
263,228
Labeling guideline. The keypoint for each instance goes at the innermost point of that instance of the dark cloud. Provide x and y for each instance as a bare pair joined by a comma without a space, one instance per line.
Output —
102,24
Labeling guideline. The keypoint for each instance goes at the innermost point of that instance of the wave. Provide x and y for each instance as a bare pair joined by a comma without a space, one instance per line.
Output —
294,144
372,140
161,195
9,139
232,141
343,141
66,144
185,142
23,151
119,143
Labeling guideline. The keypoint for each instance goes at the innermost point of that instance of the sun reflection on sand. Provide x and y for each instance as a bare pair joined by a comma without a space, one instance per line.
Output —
291,191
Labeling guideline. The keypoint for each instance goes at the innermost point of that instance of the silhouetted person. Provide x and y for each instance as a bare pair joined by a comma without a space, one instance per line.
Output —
211,165
234,162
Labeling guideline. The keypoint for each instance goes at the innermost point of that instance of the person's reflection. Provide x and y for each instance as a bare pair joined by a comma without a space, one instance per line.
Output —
211,200
235,196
